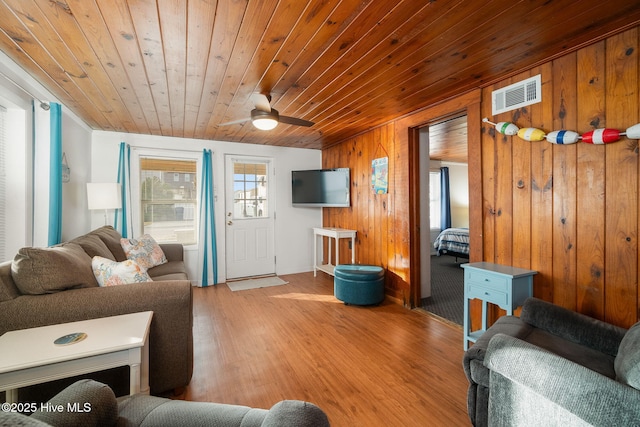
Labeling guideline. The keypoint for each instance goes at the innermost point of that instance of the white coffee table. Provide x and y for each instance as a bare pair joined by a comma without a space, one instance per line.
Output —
29,356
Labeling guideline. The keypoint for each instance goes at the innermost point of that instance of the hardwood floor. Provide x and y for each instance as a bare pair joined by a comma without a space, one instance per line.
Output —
364,366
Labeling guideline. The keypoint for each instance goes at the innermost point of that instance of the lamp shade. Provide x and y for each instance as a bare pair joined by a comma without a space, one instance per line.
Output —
104,195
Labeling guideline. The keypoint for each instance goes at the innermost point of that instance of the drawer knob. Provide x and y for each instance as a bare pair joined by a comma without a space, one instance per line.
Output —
486,293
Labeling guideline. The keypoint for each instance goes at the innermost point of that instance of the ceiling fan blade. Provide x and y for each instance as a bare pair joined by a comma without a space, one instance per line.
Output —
262,101
235,122
295,121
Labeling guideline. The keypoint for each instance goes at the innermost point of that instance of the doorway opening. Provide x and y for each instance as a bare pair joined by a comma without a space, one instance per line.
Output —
444,222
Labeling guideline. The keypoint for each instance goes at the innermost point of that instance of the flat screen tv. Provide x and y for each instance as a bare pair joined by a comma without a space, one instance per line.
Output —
321,187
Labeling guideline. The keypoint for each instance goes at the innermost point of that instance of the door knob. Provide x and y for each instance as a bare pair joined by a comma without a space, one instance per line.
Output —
230,223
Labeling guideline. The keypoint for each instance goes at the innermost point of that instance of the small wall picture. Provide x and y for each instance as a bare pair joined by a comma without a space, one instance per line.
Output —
380,175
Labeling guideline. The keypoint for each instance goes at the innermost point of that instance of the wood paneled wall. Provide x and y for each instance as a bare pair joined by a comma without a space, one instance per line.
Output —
381,220
387,225
570,212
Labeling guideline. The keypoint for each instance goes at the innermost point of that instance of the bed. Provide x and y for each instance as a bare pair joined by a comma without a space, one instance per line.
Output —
453,242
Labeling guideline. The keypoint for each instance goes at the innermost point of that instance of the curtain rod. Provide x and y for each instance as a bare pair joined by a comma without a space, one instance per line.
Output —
43,104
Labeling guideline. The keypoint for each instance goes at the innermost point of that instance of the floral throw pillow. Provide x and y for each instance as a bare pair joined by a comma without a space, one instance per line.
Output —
112,273
145,251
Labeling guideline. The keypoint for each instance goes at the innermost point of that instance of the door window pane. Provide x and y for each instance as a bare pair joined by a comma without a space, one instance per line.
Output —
250,190
168,203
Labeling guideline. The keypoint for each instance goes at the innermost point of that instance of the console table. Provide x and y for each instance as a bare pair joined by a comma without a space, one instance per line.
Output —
505,286
336,234
110,342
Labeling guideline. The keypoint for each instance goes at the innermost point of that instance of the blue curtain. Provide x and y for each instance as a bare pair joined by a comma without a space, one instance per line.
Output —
55,175
445,199
207,256
122,221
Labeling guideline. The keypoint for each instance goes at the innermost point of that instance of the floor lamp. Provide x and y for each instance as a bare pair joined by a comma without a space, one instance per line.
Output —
104,196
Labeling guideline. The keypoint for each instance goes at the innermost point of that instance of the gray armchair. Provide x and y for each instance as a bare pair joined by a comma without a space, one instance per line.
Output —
555,350
90,403
534,387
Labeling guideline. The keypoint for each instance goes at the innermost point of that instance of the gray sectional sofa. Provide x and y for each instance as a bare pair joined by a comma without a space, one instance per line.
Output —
44,286
140,410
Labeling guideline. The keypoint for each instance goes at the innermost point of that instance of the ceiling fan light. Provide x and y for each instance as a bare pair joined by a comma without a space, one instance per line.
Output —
265,123
265,120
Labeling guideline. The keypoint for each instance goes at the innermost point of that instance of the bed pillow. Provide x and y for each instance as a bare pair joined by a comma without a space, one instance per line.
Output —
145,251
112,273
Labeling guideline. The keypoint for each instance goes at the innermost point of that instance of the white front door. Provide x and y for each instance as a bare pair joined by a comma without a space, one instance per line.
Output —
250,218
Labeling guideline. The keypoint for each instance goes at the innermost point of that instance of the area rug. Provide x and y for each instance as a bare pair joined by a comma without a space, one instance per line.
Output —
261,282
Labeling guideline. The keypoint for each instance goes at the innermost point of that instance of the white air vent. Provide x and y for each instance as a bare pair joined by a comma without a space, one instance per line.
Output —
517,95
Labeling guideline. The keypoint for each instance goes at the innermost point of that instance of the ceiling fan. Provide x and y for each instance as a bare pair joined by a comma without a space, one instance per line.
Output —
266,118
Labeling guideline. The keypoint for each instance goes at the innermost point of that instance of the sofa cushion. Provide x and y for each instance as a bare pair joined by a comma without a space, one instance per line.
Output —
93,246
161,412
572,326
17,419
144,250
39,271
627,363
111,238
577,353
172,270
8,288
112,273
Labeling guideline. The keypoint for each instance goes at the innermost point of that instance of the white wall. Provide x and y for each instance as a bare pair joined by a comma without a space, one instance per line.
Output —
293,232
459,186
76,143
17,224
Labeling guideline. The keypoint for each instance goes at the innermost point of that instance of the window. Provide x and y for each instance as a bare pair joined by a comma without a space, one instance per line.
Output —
16,217
434,199
250,190
168,205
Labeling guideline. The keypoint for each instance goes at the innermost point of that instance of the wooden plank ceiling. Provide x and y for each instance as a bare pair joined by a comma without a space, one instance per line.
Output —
448,140
180,68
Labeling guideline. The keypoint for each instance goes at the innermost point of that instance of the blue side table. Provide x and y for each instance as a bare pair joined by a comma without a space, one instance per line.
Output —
505,286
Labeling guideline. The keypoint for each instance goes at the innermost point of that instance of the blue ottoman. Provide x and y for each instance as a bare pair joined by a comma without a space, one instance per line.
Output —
359,284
